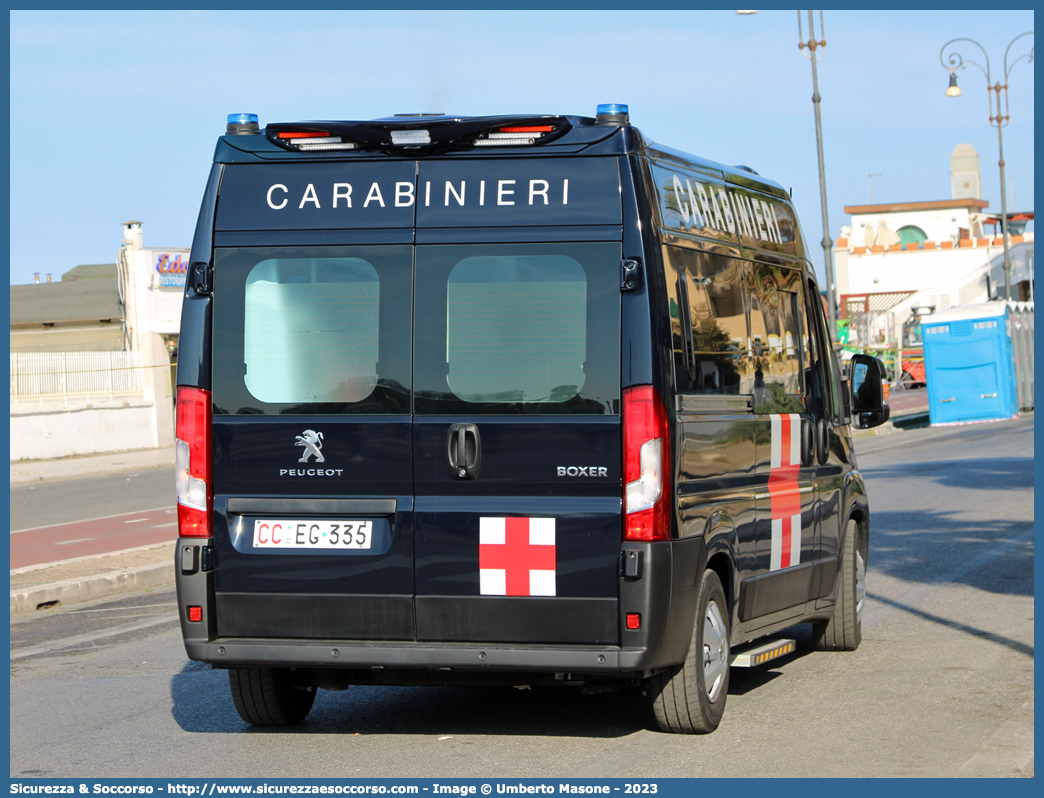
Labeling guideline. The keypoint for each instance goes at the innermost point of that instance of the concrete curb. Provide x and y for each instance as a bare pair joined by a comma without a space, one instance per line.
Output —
76,591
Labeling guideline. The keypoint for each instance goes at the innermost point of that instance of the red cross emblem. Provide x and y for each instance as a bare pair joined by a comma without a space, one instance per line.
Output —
517,556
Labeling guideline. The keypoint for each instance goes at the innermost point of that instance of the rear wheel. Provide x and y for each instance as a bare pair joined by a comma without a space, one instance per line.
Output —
271,696
844,630
690,698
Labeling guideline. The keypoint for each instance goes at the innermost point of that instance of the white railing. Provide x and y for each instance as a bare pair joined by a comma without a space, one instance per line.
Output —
64,378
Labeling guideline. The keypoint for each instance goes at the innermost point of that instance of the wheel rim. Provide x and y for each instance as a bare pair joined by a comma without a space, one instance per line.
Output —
860,586
715,651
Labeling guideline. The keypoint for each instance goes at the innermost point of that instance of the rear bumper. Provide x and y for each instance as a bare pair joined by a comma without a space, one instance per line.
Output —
311,632
241,652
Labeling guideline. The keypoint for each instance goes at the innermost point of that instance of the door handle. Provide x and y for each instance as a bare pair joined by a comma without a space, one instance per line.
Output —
822,441
989,395
808,444
463,451
952,399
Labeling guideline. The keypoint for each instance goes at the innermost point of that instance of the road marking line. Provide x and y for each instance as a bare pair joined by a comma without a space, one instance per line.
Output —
123,609
135,520
86,520
1008,751
90,637
67,542
164,526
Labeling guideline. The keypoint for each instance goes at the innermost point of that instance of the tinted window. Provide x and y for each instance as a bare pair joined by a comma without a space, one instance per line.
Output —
518,329
708,321
775,339
825,363
312,330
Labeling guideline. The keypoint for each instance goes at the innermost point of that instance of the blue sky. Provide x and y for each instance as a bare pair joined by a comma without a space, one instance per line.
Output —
114,115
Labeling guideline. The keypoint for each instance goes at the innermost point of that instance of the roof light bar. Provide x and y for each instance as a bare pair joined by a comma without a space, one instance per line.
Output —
301,134
316,140
513,136
526,129
313,141
342,145
413,138
502,142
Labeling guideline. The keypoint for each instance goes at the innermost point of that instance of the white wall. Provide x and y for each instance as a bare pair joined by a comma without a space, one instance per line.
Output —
937,224
911,270
45,434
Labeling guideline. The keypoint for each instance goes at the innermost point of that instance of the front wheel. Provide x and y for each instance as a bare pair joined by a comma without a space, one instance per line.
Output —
690,698
271,696
844,630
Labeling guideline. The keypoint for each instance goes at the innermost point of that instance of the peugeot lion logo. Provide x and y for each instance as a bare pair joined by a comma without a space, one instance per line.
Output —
312,442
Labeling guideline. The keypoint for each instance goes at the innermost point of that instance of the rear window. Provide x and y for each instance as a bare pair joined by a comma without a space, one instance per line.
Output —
509,329
309,331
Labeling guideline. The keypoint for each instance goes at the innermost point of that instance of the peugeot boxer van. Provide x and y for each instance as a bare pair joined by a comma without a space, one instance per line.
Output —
513,400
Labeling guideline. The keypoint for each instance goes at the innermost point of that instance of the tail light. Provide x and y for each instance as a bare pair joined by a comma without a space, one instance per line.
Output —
647,460
192,462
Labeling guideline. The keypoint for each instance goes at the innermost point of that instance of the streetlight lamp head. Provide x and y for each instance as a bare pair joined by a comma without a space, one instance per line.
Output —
953,90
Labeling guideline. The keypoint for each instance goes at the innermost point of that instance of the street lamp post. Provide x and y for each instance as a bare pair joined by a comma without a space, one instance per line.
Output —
955,61
828,243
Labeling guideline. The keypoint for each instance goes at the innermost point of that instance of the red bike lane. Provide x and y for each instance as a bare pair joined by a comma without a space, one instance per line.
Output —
94,536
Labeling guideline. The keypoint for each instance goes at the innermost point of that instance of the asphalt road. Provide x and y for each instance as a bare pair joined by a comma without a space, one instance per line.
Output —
942,684
72,500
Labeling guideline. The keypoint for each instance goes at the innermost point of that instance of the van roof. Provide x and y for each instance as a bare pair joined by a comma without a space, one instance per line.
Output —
456,136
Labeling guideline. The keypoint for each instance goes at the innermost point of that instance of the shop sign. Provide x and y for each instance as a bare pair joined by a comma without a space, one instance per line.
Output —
172,269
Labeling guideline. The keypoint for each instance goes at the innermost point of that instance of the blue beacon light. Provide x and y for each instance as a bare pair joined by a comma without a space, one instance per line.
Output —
242,125
612,114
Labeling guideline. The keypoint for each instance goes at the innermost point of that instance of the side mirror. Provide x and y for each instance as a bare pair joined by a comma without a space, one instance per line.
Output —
868,400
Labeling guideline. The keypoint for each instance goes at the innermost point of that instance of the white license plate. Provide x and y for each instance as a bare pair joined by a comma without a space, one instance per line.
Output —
289,534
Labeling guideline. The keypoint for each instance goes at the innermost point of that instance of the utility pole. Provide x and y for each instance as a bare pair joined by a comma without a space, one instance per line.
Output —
828,243
1001,118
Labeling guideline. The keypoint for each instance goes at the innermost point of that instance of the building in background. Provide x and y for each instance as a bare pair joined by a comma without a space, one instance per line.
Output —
153,281
92,356
82,313
895,260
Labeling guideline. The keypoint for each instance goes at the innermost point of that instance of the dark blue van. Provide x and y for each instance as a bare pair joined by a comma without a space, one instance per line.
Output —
520,400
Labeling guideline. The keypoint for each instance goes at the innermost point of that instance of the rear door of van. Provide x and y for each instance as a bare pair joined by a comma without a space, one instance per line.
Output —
312,443
517,442
379,327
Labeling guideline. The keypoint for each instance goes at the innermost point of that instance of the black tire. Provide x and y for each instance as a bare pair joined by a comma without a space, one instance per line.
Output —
844,630
271,696
682,701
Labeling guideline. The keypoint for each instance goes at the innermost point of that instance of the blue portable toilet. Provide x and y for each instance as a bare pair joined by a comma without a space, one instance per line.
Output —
970,363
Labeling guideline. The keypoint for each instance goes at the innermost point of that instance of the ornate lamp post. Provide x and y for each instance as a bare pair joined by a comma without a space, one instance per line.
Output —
954,61
828,243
